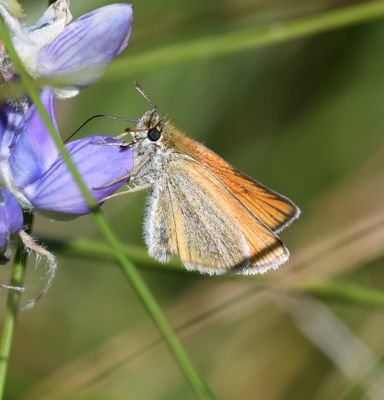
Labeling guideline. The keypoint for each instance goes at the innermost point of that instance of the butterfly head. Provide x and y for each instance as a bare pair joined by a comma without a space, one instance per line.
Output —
149,127
154,132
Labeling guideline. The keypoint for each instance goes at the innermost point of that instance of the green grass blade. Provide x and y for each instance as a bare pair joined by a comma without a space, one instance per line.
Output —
341,292
13,305
97,250
126,265
347,293
214,46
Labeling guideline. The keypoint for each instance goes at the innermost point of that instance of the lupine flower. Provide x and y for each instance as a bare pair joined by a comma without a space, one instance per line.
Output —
71,54
34,176
32,169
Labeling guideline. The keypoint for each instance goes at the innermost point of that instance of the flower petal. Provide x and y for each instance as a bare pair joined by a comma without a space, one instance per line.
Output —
10,119
34,151
4,236
87,45
11,219
51,23
98,164
13,7
29,41
11,213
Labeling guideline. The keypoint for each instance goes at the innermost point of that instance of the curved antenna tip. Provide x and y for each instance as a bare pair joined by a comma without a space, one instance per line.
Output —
140,89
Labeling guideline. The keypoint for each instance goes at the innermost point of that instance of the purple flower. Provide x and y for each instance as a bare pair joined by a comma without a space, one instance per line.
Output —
11,221
71,54
33,175
98,164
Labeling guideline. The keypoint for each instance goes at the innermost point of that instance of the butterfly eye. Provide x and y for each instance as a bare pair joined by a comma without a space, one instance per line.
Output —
154,134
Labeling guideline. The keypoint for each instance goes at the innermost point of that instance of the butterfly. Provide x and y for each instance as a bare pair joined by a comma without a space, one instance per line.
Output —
202,209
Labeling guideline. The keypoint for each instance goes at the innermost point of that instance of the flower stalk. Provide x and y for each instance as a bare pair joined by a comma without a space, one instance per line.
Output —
126,265
13,305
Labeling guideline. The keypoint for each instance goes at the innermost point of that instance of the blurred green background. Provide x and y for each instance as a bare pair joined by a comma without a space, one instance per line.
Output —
306,118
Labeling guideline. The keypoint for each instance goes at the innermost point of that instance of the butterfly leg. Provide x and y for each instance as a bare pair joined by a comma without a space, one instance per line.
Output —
112,144
124,134
127,177
129,131
130,190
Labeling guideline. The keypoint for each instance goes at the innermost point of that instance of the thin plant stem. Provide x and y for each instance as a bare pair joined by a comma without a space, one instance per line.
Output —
13,305
128,268
326,290
98,250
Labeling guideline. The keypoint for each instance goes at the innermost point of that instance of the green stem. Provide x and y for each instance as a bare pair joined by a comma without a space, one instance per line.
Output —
155,312
240,40
13,305
126,265
97,250
345,292
338,292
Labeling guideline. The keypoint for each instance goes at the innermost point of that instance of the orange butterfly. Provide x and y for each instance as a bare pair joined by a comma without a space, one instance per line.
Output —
201,208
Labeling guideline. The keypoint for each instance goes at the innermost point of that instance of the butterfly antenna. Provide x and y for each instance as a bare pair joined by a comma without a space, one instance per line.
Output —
142,92
108,116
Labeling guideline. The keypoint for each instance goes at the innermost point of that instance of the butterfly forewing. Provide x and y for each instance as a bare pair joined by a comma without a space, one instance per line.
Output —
193,215
275,210
183,220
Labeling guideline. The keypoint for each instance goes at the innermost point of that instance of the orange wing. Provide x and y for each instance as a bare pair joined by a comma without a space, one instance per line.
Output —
212,231
273,209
